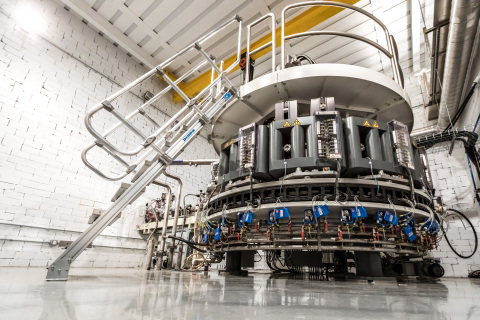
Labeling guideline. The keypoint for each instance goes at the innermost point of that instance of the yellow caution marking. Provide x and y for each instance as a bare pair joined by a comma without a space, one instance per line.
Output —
229,143
287,124
375,124
296,123
366,123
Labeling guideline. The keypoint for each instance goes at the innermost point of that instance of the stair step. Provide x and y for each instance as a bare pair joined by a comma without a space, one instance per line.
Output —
146,165
97,213
123,187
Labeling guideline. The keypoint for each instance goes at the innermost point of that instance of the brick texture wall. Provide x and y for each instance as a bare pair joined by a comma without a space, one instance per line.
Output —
452,181
47,82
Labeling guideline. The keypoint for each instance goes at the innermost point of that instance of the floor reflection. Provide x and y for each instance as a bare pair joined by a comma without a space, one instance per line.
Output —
137,294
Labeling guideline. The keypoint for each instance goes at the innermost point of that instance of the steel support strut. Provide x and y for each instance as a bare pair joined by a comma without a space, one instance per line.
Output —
59,269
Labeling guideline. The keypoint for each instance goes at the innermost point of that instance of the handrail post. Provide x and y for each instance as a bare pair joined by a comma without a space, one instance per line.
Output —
272,43
163,236
175,218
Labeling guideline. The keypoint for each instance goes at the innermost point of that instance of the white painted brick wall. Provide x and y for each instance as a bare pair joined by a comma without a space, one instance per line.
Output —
452,181
46,192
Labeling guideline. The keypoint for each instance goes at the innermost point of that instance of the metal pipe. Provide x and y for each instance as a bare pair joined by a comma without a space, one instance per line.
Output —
193,162
423,131
461,35
326,3
154,145
163,236
390,46
175,218
101,105
179,257
131,115
148,258
212,78
197,213
341,34
188,195
180,245
272,43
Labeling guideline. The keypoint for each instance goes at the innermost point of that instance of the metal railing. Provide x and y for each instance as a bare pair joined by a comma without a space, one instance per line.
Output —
390,51
172,130
266,45
196,107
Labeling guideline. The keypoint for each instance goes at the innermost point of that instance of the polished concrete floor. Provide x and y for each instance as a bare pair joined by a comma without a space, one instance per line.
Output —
137,294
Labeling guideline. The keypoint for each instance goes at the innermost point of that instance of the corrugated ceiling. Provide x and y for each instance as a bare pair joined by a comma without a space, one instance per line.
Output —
160,28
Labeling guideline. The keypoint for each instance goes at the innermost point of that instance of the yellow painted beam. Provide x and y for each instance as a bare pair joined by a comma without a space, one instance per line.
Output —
169,74
301,23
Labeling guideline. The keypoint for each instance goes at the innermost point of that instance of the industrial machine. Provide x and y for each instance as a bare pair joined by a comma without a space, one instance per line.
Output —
317,167
317,184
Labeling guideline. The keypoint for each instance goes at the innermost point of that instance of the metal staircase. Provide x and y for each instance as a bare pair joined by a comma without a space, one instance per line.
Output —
158,149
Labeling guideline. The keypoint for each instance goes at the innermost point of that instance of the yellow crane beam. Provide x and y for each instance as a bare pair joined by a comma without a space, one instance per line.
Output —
301,23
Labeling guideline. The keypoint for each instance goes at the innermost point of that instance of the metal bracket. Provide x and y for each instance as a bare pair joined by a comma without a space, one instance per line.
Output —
149,141
163,157
107,105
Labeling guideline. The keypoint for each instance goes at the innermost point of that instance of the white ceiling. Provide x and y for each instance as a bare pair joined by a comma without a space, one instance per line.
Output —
154,30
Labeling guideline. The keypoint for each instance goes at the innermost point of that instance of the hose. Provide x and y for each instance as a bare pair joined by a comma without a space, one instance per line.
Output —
302,57
339,168
190,243
474,234
412,188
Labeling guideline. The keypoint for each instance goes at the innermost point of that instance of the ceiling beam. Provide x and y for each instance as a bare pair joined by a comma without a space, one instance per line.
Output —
302,22
99,22
261,6
155,37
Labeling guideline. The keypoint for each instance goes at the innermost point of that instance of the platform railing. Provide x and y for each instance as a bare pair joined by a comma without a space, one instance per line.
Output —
264,46
390,51
157,141
184,126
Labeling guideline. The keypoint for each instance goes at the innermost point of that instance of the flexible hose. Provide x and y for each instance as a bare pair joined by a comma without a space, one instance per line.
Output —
190,244
474,234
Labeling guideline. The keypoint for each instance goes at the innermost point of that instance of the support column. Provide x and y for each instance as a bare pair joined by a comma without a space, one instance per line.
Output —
234,261
179,257
148,258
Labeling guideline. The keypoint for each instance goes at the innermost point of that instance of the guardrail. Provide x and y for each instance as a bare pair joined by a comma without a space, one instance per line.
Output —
266,45
166,134
390,51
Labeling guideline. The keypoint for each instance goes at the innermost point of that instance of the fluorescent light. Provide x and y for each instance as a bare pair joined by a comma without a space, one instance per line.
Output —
29,19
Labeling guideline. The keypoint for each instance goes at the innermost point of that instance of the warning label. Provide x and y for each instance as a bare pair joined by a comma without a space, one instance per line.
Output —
366,123
375,124
287,124
296,122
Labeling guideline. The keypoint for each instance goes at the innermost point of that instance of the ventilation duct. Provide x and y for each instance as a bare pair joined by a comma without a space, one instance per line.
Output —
462,31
